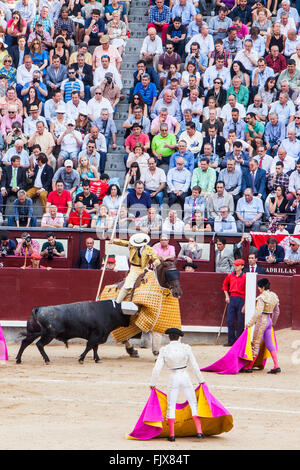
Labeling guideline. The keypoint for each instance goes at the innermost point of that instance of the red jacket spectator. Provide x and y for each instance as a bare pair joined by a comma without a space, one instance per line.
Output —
79,218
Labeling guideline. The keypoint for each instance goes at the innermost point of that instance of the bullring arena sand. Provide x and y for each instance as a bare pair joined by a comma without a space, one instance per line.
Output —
70,406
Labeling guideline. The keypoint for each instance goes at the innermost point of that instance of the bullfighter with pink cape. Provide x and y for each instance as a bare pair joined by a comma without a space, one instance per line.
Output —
245,354
3,347
199,416
215,419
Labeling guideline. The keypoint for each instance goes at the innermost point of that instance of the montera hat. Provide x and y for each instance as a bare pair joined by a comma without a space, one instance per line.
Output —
139,239
174,331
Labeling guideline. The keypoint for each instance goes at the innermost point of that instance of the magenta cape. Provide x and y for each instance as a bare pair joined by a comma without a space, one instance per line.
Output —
215,419
3,348
239,355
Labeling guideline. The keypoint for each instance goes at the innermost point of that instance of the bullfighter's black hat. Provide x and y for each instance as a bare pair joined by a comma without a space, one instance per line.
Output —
174,331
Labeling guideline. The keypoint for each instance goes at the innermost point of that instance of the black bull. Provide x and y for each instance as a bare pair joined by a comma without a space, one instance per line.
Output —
93,321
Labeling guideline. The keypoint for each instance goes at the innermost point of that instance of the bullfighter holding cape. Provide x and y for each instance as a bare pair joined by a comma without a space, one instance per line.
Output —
246,354
202,414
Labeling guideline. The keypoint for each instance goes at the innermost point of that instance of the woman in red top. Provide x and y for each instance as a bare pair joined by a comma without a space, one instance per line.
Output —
16,27
234,287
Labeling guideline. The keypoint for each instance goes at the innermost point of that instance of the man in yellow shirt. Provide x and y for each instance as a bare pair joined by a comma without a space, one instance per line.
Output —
140,253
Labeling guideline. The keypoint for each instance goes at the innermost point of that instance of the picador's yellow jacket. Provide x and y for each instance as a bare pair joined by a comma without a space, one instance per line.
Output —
147,254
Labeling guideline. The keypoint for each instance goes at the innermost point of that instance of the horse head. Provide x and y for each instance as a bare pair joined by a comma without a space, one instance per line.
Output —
168,276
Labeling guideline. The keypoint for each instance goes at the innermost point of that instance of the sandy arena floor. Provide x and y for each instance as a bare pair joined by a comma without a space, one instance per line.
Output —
66,405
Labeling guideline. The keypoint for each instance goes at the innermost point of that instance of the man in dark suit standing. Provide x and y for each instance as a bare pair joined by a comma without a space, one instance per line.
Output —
217,141
254,178
253,267
13,179
42,180
89,258
84,72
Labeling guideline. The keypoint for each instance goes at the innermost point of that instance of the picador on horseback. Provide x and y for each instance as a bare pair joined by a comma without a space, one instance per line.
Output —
140,254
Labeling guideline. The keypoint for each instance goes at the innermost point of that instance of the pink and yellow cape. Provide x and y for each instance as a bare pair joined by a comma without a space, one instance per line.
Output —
240,354
3,347
215,419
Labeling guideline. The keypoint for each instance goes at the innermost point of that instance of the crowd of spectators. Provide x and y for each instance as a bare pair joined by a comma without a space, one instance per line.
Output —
213,126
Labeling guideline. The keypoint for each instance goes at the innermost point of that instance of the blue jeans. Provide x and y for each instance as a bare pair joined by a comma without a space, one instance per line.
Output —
235,318
159,198
11,221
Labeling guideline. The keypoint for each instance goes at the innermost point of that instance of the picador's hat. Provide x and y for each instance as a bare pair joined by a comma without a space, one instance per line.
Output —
174,331
139,239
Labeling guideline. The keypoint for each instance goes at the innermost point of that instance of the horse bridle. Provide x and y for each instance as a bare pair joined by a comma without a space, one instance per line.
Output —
171,275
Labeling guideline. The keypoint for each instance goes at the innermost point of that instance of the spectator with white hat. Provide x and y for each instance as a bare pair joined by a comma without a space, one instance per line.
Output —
70,142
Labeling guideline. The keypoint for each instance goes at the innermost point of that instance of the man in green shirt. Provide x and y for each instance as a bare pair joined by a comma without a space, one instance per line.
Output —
205,177
239,91
164,144
254,130
291,75
52,248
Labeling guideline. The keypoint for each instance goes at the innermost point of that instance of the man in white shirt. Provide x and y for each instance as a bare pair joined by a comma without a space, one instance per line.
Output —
216,71
17,150
96,104
154,180
70,142
75,106
204,40
105,67
248,56
151,48
288,162
172,224
226,113
25,73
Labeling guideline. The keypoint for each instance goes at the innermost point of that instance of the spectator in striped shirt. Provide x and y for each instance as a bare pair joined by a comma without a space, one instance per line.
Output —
72,84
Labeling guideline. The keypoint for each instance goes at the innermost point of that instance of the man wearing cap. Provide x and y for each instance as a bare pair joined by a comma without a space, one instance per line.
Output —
140,254
106,48
234,288
45,19
42,35
70,142
30,121
35,259
68,176
177,356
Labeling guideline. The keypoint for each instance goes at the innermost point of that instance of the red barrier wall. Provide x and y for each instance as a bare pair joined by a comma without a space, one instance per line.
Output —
202,303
